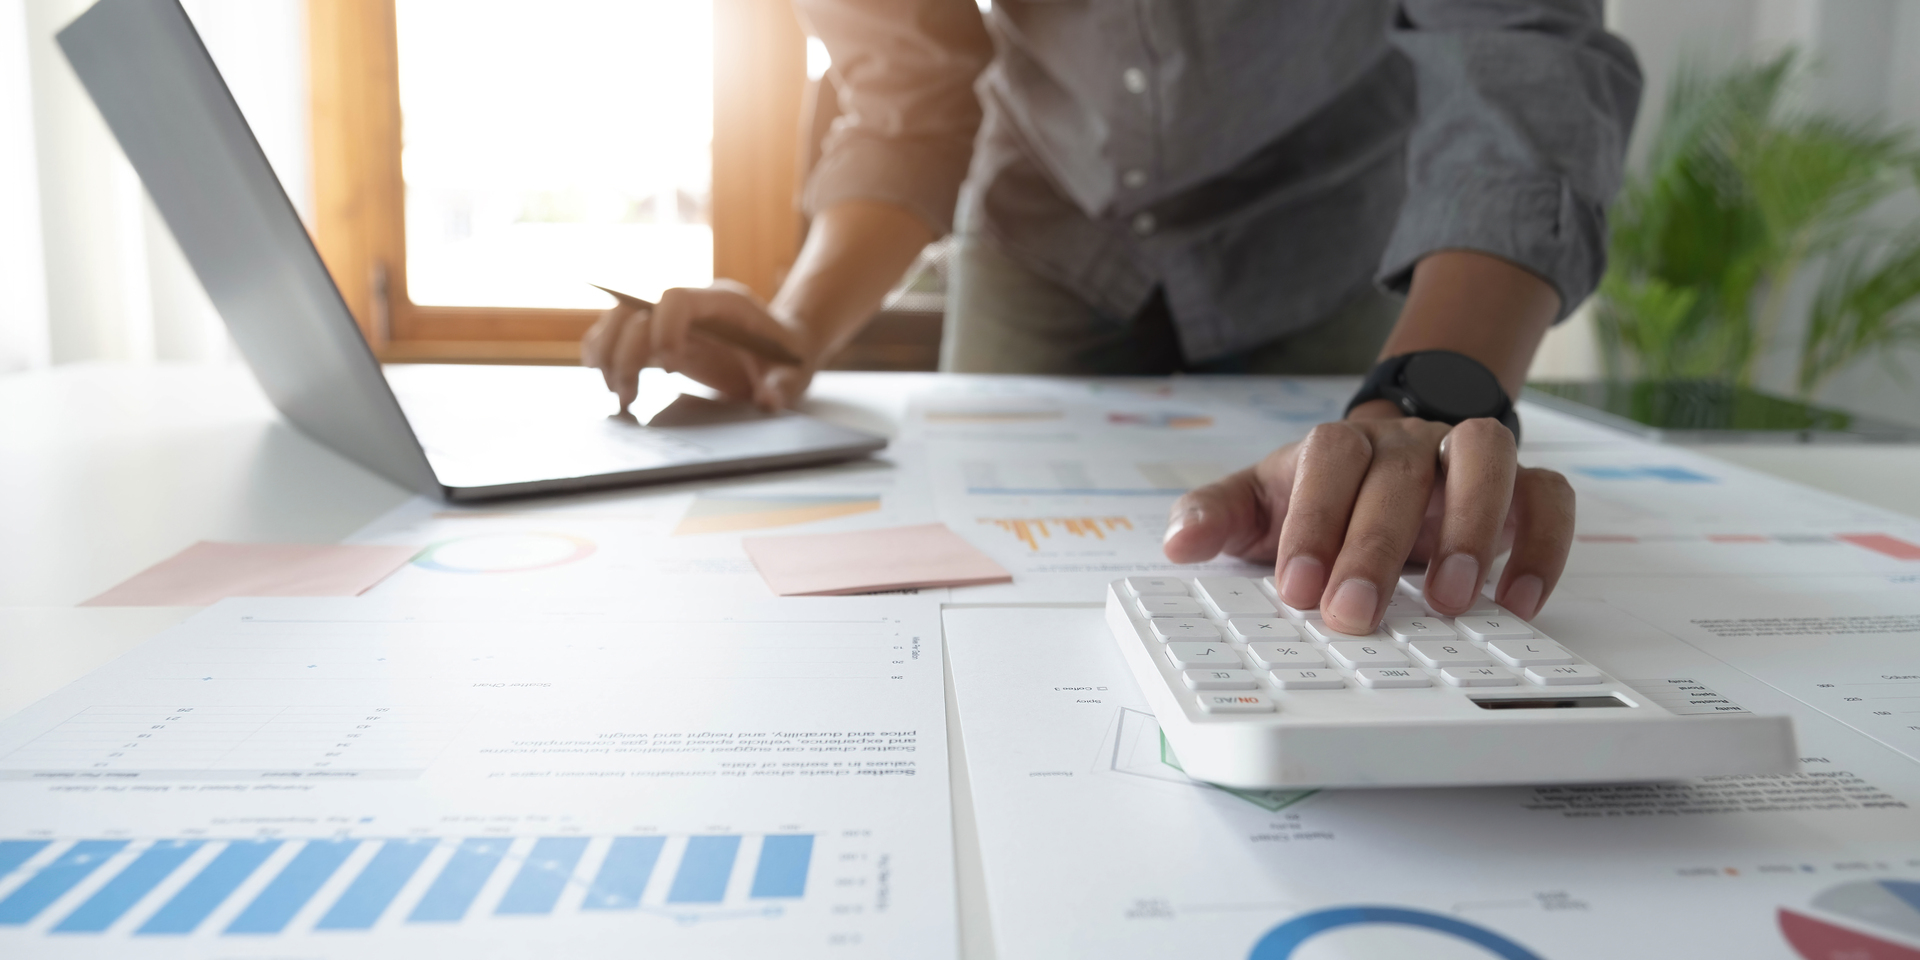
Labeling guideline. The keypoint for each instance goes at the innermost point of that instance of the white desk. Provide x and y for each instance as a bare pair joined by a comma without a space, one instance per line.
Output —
106,469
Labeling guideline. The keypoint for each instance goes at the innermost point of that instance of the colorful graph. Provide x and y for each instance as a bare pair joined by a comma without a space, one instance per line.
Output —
721,513
504,552
1664,474
1881,922
686,878
1881,543
1161,421
1280,942
1032,530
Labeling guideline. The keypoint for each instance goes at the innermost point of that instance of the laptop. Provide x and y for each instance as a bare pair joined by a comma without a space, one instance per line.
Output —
469,433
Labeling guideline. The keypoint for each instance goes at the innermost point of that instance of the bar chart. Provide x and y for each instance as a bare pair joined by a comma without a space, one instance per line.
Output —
264,887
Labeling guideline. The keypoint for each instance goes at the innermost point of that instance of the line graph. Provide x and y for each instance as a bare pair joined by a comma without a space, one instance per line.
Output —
1032,530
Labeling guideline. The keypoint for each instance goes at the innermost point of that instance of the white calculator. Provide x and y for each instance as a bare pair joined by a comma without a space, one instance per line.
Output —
1255,694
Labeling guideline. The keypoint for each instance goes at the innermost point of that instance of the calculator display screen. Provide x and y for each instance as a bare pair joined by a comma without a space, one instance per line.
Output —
1548,703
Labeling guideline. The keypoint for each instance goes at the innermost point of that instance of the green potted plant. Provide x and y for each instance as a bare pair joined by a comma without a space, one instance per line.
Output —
1740,195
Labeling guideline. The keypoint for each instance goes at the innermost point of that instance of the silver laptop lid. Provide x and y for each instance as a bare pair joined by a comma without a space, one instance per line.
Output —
147,71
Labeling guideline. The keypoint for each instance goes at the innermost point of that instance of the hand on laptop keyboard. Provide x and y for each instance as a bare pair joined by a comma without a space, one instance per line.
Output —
676,335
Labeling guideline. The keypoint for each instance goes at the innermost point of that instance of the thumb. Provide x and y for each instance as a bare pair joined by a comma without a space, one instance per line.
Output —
1204,520
780,387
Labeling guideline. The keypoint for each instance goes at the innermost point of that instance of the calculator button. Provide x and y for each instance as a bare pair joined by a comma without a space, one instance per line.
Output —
1267,587
1308,679
1392,678
1192,653
1318,630
1185,628
1564,675
1249,629
1367,653
1221,680
1296,654
1297,613
1448,653
1481,607
1157,586
1420,628
1400,607
1235,703
1170,607
1414,581
1234,597
1530,653
1479,676
1493,628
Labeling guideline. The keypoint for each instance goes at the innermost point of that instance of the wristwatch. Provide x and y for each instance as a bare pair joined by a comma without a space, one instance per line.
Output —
1439,385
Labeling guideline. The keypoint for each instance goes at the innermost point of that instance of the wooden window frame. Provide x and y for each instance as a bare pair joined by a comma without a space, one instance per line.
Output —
760,76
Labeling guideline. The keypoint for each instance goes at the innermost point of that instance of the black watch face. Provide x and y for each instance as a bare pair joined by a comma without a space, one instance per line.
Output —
1452,385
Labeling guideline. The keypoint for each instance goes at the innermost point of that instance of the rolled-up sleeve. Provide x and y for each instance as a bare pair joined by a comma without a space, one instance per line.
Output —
1521,134
904,72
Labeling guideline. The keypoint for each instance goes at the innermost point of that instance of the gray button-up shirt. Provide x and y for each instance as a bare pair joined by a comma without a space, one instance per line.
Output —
1260,161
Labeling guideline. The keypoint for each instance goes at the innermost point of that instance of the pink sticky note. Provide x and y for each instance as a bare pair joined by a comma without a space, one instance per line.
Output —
208,572
865,561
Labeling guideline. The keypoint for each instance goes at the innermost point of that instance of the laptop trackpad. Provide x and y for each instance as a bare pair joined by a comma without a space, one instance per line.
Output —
687,410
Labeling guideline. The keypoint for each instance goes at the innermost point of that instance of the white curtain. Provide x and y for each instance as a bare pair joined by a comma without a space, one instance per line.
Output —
88,270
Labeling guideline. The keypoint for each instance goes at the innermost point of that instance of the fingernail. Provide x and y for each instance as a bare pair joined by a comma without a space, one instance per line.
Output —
1354,603
1302,581
1180,521
1455,582
1523,596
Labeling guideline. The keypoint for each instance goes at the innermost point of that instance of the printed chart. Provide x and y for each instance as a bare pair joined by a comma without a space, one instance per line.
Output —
504,552
267,887
1281,942
1161,420
1032,530
720,513
175,742
1868,919
1066,477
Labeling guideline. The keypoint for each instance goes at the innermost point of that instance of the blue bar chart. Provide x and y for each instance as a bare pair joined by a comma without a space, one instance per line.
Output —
338,886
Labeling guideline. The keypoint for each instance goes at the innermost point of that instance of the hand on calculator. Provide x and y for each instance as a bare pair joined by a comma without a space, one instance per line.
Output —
1342,511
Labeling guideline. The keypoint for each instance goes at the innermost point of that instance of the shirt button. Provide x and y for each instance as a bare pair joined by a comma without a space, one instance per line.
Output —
1143,223
1135,79
1134,178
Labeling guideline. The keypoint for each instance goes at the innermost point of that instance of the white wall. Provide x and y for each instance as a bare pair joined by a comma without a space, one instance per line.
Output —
115,285
23,303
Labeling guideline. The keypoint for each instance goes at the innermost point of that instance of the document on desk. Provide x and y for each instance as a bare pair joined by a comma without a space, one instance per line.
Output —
1853,656
673,541
1095,844
364,779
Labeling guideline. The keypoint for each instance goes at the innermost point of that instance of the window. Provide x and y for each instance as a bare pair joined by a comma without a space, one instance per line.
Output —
477,164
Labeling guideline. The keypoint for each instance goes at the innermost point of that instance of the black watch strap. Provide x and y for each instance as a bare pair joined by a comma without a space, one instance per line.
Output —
1439,385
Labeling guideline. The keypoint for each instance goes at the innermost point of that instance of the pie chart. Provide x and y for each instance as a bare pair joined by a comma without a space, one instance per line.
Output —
1865,920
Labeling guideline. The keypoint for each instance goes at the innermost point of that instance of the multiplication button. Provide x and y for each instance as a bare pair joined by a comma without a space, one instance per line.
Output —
1249,629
